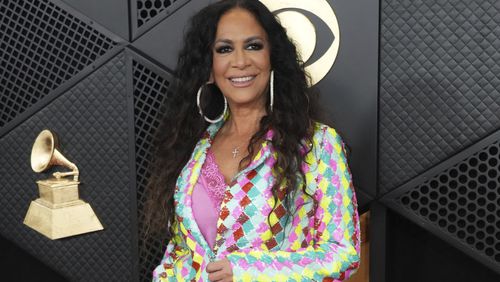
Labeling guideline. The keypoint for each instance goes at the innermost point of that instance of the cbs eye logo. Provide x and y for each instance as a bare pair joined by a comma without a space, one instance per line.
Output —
295,16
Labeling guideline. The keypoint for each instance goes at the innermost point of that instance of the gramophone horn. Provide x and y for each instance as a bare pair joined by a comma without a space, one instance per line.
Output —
44,153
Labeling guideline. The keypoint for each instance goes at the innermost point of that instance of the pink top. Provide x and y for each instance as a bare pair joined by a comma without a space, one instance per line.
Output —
210,188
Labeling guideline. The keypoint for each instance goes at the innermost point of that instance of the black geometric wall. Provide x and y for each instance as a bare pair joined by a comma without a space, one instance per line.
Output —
146,13
42,45
149,9
65,66
459,200
439,109
92,120
439,83
150,86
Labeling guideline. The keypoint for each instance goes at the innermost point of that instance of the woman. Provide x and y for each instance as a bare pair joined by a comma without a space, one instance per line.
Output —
246,184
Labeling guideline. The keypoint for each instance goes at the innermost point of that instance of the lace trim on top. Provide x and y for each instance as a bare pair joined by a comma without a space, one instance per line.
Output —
215,183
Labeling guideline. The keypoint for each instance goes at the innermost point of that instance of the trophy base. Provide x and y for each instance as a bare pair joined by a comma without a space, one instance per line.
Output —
73,218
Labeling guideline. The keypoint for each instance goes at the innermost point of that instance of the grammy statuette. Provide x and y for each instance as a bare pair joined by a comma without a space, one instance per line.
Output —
59,212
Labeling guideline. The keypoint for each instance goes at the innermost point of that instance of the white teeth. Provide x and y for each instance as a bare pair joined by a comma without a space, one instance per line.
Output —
242,79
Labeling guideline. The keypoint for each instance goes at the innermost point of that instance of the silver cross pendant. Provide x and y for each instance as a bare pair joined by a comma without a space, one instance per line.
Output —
235,152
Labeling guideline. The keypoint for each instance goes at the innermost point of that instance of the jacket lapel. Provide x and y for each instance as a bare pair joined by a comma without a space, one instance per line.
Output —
232,214
184,190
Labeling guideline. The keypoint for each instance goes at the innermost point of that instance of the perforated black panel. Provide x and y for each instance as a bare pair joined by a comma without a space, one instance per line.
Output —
41,46
150,89
91,120
148,9
439,82
464,202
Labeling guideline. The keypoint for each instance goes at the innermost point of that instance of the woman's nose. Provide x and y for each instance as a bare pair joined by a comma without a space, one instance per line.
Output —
241,59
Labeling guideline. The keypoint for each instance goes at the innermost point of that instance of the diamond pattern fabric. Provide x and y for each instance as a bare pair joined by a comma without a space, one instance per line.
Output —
439,82
319,241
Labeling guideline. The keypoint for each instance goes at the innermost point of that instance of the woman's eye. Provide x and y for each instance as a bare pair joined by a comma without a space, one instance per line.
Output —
223,49
255,46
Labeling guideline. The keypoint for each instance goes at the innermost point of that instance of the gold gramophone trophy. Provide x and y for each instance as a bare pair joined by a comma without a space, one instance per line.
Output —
59,212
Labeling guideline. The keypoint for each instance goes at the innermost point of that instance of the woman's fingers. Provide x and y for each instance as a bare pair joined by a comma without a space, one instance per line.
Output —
216,276
215,266
220,271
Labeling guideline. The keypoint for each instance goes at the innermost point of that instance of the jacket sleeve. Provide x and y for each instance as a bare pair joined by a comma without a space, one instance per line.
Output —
333,254
168,270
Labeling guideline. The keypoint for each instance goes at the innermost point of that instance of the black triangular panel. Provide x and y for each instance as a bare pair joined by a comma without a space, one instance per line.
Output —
93,122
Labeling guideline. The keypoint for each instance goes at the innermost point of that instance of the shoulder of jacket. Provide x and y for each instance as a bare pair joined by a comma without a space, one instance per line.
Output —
323,132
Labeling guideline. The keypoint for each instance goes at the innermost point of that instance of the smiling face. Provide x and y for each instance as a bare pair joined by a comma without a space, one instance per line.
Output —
241,59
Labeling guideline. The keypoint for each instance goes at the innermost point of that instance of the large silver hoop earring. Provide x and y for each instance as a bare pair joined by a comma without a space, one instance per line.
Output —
198,98
271,90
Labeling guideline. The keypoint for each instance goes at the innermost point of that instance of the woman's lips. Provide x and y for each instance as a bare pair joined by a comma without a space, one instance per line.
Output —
242,81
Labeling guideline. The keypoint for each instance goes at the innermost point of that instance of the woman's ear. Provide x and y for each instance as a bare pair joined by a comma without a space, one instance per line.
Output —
211,78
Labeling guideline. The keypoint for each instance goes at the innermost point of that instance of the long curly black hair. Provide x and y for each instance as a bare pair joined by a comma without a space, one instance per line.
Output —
292,117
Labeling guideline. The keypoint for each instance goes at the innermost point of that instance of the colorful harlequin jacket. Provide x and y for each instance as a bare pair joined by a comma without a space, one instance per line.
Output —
317,243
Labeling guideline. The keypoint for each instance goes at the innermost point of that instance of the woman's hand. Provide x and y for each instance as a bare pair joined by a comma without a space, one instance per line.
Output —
220,271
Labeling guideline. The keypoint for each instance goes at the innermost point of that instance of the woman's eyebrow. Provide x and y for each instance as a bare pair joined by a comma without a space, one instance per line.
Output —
229,41
252,38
